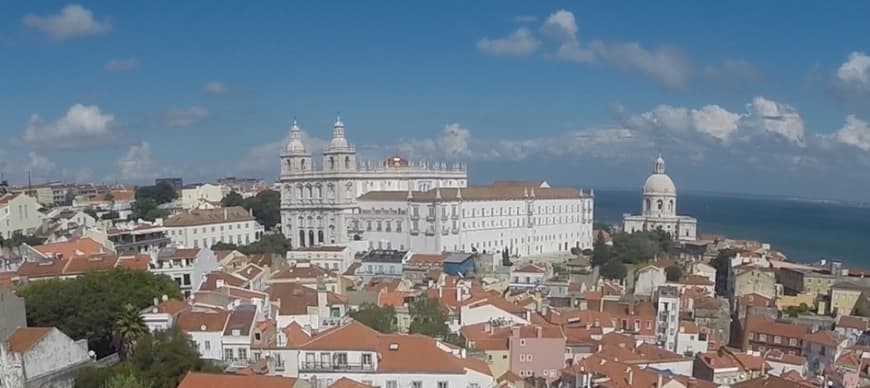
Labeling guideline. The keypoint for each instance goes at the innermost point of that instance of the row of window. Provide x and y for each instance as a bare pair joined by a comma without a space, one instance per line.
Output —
225,239
179,232
776,339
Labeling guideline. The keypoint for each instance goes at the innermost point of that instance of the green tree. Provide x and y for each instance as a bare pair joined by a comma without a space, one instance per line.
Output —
428,318
600,250
633,248
146,209
382,319
222,246
232,199
266,206
673,273
129,328
110,215
18,238
164,357
269,243
68,198
161,193
126,380
613,269
90,306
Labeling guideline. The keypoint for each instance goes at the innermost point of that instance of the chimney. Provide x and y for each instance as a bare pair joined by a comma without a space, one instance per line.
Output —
528,315
156,301
515,331
630,376
321,295
220,283
538,331
458,293
659,382
225,214
487,328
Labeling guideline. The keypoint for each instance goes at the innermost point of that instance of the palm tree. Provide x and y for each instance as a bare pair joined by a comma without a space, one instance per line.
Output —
129,328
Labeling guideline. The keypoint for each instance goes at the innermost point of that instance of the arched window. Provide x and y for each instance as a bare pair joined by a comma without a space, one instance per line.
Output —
660,204
318,190
301,238
320,236
347,162
331,163
348,191
302,164
311,237
671,205
299,191
307,191
648,206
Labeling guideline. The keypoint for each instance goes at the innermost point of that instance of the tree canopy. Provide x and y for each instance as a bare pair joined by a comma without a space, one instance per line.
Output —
673,273
613,269
382,319
266,206
161,193
428,318
91,305
232,199
146,209
601,252
164,357
17,239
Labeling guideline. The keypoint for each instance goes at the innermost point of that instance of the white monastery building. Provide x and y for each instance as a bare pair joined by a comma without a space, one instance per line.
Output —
317,202
422,207
660,208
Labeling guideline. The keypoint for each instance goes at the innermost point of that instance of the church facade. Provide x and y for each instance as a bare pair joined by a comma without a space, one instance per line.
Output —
318,201
659,208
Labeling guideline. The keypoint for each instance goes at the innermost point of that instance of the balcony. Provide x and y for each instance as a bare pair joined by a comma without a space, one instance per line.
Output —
415,217
430,218
306,366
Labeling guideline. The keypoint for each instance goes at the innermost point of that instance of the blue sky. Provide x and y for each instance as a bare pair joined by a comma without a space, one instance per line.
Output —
741,97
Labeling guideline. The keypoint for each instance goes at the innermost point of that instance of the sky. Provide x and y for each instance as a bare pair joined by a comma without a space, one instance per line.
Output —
742,97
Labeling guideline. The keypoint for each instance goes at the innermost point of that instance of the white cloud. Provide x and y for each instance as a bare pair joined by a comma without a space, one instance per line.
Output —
72,21
852,79
81,125
776,118
561,24
519,43
186,117
136,164
215,88
121,65
453,143
730,70
525,19
710,120
39,164
855,132
666,65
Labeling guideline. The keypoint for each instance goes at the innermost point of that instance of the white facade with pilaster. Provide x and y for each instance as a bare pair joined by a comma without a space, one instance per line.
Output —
318,201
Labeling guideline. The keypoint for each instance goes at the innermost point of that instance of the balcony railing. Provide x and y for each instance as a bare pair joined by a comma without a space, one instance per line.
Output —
335,367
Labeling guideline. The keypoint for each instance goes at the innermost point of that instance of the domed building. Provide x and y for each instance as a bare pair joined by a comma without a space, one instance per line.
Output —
660,208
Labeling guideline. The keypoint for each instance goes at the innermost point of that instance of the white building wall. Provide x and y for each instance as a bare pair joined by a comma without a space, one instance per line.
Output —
667,322
204,236
524,227
485,313
54,352
781,368
690,342
208,343
190,197
20,214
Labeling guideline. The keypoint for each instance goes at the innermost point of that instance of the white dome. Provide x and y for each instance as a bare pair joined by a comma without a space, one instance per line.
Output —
295,146
659,184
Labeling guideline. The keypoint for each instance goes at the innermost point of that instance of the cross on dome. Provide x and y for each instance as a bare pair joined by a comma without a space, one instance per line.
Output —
660,165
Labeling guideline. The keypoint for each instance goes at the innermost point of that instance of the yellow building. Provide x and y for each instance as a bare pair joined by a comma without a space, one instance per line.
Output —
785,301
844,296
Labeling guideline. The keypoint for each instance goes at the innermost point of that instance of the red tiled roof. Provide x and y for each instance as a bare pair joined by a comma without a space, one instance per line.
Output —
71,248
303,272
853,322
531,268
294,299
765,325
210,283
827,338
345,382
207,380
192,321
24,338
296,334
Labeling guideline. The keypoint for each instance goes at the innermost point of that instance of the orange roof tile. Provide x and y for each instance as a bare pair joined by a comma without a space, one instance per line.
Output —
71,248
210,283
192,321
352,336
396,298
294,299
345,382
208,380
824,337
24,338
303,272
296,334
765,325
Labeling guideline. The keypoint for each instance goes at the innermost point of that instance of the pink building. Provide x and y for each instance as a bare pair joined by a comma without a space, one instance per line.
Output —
537,350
